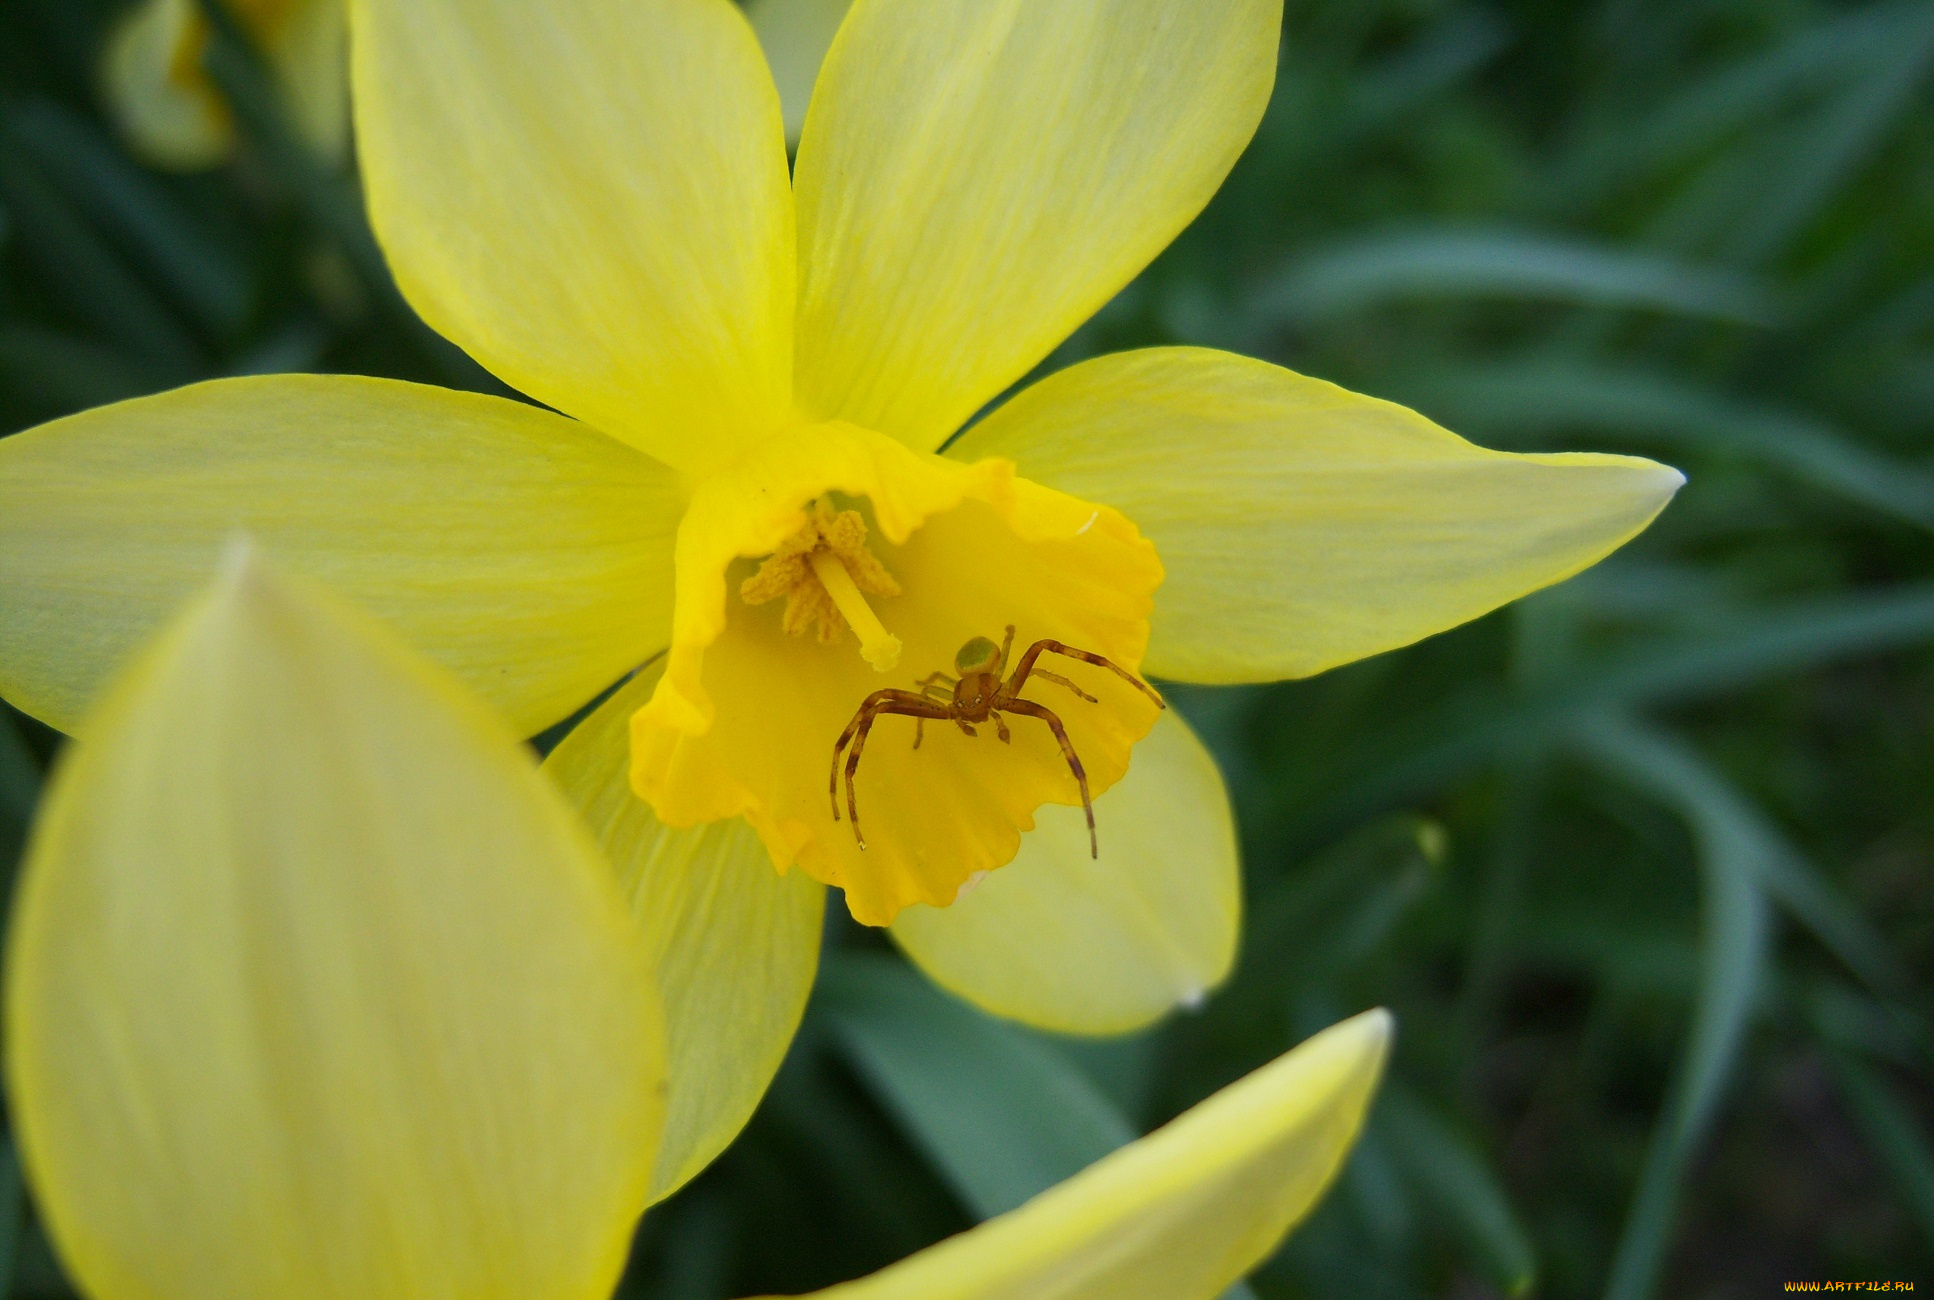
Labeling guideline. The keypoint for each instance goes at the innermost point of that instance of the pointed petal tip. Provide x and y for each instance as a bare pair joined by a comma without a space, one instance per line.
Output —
1665,479
1377,1028
239,556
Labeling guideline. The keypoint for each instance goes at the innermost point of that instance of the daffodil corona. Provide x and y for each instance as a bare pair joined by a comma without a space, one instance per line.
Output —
745,716
754,464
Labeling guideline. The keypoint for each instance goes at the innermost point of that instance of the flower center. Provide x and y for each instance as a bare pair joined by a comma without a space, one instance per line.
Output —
746,716
825,572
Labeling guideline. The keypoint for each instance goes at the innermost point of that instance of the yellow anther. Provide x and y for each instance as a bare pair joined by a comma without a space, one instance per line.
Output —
822,571
878,646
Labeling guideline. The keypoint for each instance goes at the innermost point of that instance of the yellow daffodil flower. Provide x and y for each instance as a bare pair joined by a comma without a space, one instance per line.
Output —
316,989
171,112
759,381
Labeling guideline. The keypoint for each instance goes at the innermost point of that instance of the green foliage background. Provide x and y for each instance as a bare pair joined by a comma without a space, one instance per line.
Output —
1642,863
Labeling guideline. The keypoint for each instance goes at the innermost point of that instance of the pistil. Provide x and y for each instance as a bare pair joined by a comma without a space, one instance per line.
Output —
878,646
825,572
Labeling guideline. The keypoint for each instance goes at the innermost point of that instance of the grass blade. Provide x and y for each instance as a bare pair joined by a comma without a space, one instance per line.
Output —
13,1210
1460,1185
1542,399
1472,729
1736,931
84,271
1823,158
1703,112
1362,273
1893,1135
199,271
1002,1117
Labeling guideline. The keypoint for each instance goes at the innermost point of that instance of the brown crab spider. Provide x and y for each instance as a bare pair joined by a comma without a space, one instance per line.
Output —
977,695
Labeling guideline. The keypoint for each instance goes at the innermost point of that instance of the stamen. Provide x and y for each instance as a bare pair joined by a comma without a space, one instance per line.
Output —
878,646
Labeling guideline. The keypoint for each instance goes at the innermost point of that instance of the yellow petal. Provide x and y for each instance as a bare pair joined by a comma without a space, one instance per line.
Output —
152,78
591,199
745,719
525,552
978,176
735,944
1179,1215
1084,946
1304,526
795,35
316,988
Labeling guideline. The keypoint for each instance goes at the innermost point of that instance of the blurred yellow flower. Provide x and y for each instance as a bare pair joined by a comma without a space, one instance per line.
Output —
315,989
171,112
593,199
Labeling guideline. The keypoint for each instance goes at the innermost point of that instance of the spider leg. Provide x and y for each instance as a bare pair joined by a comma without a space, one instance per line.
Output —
870,702
1045,675
927,689
1034,710
1035,651
903,703
936,679
1007,643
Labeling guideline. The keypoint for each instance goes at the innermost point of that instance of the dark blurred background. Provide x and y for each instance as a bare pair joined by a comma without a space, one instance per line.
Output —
1645,863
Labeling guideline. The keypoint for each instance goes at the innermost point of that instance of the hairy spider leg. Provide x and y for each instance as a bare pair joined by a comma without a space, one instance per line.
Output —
1033,710
1007,644
902,703
1045,675
872,701
932,682
1035,651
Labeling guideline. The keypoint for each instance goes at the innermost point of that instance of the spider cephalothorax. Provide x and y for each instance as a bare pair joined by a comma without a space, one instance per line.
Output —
977,695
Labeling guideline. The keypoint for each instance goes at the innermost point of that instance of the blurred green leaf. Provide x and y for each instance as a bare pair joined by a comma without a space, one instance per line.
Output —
1461,1187
1473,728
1893,1135
1002,1116
205,276
60,373
1314,924
1698,113
1542,399
1361,273
1736,927
13,1209
90,278
1826,152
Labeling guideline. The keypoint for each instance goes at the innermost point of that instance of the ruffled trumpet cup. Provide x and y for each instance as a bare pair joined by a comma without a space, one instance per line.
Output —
745,718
